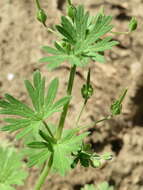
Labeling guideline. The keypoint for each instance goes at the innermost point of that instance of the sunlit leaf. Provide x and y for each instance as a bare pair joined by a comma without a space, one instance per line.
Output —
31,119
9,165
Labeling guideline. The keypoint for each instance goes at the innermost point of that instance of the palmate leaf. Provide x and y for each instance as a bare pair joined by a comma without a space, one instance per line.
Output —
83,39
30,119
9,165
61,150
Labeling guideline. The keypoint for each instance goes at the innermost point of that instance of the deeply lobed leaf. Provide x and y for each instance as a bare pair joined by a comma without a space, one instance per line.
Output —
31,119
62,151
83,39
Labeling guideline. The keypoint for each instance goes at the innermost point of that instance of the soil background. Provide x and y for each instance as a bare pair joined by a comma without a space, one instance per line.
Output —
21,37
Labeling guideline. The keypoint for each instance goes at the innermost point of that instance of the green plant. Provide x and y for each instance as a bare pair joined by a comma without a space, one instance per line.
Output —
102,186
11,172
84,38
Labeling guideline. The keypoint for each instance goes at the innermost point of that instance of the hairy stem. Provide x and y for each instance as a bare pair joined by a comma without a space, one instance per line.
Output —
44,173
65,109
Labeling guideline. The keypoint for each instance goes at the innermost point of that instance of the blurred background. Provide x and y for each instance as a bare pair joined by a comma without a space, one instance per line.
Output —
21,37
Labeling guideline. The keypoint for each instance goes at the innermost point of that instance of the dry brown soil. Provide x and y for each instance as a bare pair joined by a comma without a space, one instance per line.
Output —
21,37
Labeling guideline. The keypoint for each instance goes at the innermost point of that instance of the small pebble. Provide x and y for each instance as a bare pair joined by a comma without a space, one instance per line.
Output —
10,76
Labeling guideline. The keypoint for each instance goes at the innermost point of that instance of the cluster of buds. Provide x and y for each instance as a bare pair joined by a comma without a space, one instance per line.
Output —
87,157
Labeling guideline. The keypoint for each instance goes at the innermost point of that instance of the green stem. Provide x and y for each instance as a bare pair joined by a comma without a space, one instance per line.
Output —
44,173
65,109
69,2
38,4
85,127
48,129
82,109
123,96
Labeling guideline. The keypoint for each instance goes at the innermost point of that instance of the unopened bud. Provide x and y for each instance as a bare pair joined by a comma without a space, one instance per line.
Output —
133,24
116,108
41,16
87,91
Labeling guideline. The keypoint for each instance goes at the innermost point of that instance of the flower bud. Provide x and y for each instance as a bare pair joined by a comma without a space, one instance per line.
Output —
87,91
133,24
116,108
41,16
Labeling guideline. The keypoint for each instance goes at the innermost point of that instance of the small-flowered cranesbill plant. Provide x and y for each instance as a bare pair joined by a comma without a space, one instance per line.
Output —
84,38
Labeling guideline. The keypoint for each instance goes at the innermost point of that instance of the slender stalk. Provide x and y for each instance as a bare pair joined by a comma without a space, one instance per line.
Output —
44,173
85,127
38,4
48,129
69,2
80,114
65,109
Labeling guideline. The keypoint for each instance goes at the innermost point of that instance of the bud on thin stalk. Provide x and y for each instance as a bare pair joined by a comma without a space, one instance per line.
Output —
133,24
41,16
87,89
